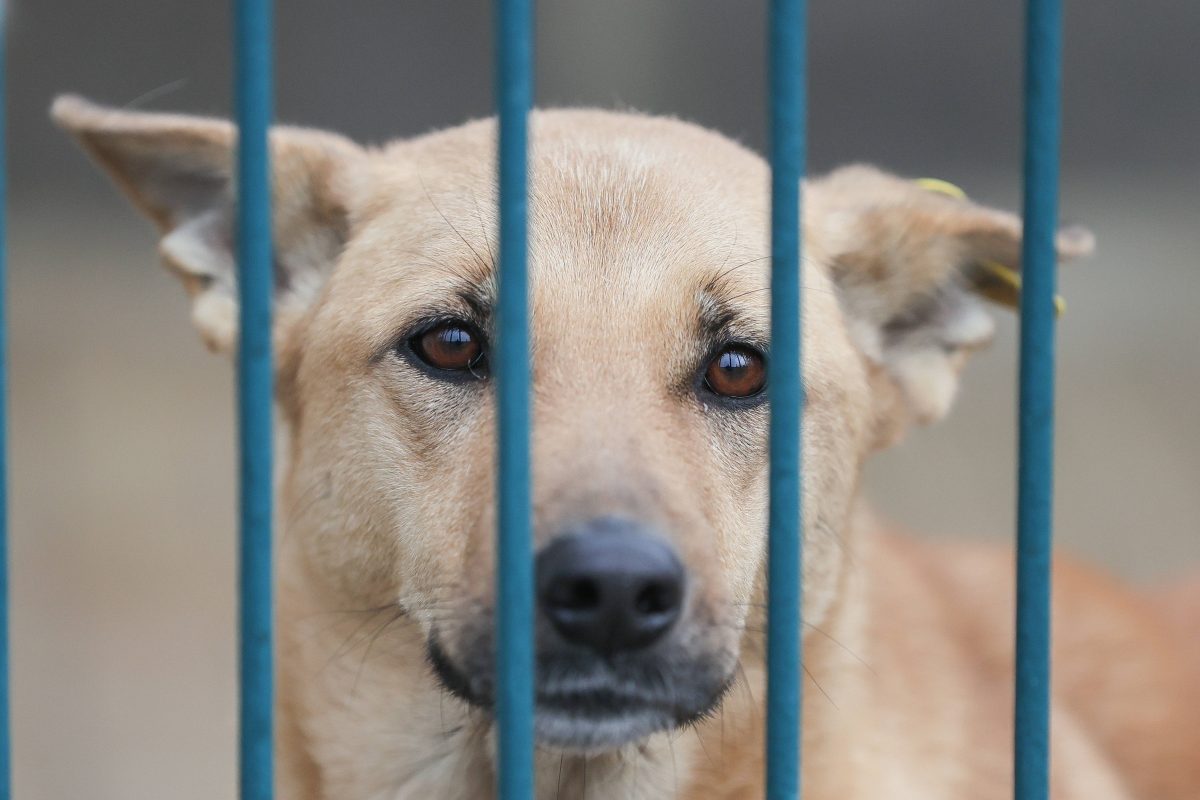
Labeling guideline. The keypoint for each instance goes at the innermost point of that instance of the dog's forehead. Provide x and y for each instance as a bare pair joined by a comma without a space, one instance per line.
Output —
624,210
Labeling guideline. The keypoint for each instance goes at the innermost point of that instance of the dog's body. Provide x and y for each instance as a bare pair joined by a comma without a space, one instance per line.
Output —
648,317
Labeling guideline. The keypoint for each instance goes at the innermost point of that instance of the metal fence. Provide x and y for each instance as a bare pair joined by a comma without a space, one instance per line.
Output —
514,578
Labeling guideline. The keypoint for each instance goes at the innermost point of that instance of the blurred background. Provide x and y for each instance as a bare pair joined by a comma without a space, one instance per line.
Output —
122,428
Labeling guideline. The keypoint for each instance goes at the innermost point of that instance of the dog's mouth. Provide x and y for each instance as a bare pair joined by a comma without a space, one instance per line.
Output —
601,718
590,704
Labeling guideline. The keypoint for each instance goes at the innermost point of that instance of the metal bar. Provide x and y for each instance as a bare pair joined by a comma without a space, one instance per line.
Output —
1043,54
514,559
788,100
5,743
252,36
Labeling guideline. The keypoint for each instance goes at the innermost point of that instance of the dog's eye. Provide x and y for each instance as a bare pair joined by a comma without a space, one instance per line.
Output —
736,371
451,346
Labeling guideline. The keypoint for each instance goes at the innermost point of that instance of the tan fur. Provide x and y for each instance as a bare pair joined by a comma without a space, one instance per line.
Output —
637,225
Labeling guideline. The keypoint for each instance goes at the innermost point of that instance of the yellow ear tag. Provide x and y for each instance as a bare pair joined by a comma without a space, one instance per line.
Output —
942,187
995,281
1002,285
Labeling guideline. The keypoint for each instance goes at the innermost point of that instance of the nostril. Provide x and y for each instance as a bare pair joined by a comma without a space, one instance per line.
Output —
659,597
579,594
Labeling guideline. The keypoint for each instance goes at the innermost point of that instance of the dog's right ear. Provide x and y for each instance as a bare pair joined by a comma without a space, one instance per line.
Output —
178,170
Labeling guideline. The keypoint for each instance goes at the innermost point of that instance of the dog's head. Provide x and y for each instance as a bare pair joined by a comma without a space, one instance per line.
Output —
650,353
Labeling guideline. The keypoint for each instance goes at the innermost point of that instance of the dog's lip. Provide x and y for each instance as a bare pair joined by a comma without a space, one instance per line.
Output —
592,697
598,719
602,702
572,731
585,712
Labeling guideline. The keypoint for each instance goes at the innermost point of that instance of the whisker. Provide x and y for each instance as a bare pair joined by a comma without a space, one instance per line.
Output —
725,273
483,229
348,644
370,644
810,626
346,612
728,253
703,748
478,259
745,680
820,688
674,765
155,93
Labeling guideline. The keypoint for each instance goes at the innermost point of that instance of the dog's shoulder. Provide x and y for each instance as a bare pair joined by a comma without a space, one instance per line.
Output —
1125,664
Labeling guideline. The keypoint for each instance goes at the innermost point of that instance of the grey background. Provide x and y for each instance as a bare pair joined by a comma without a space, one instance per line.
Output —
123,467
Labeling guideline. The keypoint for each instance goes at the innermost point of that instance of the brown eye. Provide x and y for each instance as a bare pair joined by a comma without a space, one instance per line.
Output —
736,371
450,346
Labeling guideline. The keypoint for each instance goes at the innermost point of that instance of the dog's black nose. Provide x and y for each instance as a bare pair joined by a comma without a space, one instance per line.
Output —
610,586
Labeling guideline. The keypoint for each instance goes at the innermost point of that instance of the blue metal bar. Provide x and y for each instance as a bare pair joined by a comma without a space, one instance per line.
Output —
1043,54
5,744
788,101
514,559
255,282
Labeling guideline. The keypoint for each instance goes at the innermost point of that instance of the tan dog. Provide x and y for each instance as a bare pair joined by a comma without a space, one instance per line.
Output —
649,321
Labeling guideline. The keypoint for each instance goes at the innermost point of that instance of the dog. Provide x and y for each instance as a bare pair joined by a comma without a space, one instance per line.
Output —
649,327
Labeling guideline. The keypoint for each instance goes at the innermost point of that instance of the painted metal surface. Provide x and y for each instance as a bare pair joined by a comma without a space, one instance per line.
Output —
252,48
787,36
1035,481
514,549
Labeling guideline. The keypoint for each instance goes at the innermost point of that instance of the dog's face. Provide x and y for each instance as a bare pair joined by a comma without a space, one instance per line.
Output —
650,356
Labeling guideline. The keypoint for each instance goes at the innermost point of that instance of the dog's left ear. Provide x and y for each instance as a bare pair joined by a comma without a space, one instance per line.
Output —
910,265
178,170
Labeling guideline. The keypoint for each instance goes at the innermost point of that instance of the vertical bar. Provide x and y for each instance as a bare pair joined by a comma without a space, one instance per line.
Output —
514,561
5,744
788,99
253,100
1043,52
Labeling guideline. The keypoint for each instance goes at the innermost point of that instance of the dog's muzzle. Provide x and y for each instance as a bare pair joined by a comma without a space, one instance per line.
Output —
612,664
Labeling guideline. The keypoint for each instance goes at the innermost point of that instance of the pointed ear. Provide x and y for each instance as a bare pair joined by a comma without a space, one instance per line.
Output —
911,265
178,170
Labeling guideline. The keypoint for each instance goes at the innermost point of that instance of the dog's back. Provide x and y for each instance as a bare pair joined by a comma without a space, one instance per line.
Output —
1126,663
1180,604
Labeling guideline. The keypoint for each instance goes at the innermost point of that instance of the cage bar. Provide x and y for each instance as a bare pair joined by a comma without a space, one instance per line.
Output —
1043,71
252,91
514,550
787,36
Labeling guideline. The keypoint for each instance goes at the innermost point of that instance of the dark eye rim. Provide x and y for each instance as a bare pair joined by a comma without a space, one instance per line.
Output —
745,402
408,348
